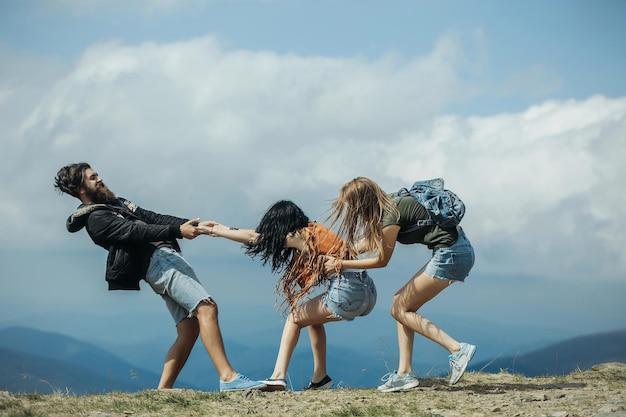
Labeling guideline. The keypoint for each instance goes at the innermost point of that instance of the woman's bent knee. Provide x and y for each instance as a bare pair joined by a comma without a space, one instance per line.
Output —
396,312
398,307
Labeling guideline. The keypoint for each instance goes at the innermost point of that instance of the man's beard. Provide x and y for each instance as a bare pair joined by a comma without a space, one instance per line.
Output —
102,195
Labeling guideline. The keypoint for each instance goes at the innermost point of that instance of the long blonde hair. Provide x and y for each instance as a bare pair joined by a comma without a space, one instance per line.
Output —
357,214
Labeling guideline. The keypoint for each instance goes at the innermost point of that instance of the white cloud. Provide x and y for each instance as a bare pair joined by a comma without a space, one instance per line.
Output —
193,129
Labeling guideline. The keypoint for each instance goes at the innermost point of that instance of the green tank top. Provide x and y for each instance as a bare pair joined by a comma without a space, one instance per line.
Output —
410,212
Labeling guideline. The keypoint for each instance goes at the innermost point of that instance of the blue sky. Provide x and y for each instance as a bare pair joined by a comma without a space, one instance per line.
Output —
216,109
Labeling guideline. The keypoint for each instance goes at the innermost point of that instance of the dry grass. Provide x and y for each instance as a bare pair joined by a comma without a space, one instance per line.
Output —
594,392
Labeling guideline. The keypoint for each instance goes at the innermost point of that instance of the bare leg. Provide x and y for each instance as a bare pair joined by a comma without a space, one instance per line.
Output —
410,298
317,336
212,340
405,345
312,312
178,354
288,342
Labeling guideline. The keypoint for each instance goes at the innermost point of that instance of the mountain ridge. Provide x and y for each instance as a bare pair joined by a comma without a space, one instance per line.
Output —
560,358
36,361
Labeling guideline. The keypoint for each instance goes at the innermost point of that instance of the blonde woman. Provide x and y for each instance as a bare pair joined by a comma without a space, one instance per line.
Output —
293,246
372,221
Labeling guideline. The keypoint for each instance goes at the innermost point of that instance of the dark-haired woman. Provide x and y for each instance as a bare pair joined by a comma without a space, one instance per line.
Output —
287,240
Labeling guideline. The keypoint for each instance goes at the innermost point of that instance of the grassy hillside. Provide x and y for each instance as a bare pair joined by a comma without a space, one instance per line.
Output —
596,392
35,361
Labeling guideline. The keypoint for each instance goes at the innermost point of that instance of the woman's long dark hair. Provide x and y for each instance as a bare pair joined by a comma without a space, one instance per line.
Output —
282,218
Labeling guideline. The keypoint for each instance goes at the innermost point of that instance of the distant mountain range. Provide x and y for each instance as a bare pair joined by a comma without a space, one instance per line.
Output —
37,361
564,357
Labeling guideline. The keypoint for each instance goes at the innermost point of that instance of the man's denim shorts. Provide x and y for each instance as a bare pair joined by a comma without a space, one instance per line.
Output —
351,294
174,279
453,262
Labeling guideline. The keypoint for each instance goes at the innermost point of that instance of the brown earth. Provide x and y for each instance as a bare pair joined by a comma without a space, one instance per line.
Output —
598,392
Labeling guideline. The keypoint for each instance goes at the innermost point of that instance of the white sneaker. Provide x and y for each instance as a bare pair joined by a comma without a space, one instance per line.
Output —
395,382
459,361
278,384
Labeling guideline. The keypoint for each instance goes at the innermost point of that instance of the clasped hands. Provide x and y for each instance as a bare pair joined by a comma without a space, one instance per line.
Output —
194,228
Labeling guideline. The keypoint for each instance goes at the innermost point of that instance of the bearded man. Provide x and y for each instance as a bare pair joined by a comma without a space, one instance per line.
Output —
143,245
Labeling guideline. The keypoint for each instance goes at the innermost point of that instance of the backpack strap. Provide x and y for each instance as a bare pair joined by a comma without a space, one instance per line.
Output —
443,206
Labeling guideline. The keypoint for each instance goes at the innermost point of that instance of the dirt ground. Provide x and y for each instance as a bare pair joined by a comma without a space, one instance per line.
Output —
599,392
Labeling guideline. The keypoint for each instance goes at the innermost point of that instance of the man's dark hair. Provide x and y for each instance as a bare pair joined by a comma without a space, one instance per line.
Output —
70,178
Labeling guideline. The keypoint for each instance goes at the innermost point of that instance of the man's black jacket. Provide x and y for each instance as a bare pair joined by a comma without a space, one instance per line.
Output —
130,234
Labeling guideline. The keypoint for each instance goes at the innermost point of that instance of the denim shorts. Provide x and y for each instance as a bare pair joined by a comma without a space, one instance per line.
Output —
453,262
174,279
351,294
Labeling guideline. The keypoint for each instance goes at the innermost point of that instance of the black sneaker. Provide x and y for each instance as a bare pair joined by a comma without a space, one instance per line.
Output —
325,383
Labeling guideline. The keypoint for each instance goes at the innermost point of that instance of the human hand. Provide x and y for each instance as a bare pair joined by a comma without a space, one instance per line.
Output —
331,264
189,230
208,227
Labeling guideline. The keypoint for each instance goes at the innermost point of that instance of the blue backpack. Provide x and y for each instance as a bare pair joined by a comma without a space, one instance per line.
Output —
444,207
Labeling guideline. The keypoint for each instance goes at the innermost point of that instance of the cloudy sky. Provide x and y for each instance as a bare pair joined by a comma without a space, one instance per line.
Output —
217,108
